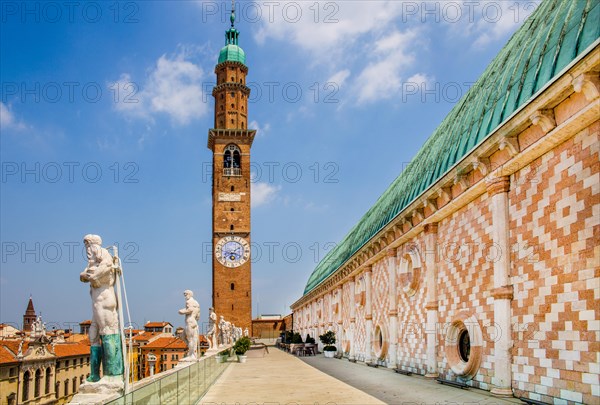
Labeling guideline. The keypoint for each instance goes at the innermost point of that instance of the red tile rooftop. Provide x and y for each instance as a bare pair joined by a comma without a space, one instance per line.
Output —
167,342
156,324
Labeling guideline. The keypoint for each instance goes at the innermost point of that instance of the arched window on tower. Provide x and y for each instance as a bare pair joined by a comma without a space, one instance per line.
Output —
232,161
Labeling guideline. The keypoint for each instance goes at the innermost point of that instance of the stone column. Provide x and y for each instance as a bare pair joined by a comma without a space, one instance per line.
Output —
352,354
432,301
503,289
393,313
338,320
368,317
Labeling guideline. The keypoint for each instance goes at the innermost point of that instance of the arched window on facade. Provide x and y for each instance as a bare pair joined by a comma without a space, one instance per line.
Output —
26,378
38,383
232,161
48,375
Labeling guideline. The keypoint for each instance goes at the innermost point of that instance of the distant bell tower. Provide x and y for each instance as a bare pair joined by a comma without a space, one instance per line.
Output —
230,141
29,317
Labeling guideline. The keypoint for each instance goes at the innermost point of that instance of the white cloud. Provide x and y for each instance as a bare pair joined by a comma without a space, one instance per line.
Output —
173,87
339,77
261,130
490,20
8,119
381,78
324,28
263,193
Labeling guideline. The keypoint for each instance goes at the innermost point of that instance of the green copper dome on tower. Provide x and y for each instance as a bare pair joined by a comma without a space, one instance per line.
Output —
231,52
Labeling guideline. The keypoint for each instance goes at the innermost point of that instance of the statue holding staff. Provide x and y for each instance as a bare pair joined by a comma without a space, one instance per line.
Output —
104,334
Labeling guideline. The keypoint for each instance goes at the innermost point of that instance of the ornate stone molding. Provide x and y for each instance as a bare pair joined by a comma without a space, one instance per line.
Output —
544,119
431,227
461,179
511,144
587,83
432,306
393,312
505,292
445,192
464,321
498,185
368,317
418,214
430,202
482,164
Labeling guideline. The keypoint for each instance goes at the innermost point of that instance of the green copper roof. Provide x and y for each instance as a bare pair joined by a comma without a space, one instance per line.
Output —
554,35
231,52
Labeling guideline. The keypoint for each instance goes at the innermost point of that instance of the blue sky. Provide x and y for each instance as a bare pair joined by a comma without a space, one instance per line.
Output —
104,115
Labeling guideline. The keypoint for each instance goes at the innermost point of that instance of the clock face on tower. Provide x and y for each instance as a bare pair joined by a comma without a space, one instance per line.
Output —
232,251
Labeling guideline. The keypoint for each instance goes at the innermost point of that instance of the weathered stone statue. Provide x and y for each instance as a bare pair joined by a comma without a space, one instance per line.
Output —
227,332
211,334
104,335
246,333
192,315
222,331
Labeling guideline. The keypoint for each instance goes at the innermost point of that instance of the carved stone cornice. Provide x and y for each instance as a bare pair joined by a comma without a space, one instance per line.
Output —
511,144
445,192
431,227
587,83
431,203
461,179
544,119
482,164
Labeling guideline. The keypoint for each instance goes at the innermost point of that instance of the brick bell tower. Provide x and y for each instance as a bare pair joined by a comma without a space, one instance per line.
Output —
230,141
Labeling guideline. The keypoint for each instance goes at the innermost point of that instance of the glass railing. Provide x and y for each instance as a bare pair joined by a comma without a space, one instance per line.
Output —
185,385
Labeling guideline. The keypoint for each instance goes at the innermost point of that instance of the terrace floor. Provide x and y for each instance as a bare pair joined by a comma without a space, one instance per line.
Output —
281,378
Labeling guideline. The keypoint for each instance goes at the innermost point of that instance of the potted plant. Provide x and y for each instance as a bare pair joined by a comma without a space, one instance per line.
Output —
241,346
222,356
328,339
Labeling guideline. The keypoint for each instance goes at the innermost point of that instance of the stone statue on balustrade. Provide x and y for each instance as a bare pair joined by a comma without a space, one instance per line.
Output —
222,331
228,337
192,315
211,334
246,333
101,273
